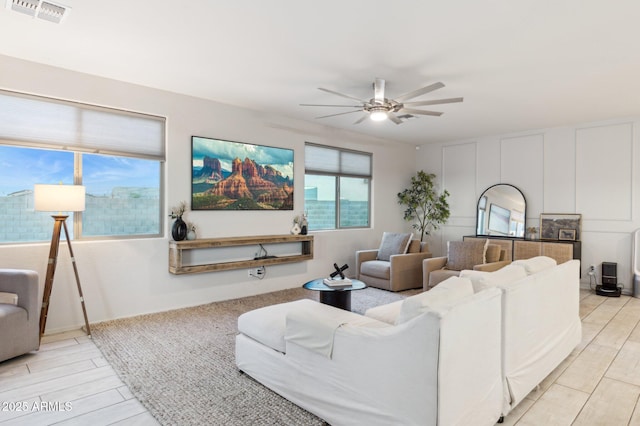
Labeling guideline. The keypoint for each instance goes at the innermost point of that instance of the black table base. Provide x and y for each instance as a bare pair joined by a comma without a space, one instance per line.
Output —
339,298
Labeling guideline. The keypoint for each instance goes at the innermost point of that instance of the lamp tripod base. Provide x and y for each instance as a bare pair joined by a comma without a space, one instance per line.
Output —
59,225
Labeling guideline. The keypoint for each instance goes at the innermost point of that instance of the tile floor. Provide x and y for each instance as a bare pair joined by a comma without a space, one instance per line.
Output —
67,382
598,384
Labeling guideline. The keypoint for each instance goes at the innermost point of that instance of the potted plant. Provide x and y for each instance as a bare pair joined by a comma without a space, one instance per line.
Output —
424,205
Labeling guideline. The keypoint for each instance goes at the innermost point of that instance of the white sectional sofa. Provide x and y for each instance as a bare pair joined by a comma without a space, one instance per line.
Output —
465,352
540,321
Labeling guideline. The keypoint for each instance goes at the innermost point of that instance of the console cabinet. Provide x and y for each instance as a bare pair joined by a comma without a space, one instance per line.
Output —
561,251
179,251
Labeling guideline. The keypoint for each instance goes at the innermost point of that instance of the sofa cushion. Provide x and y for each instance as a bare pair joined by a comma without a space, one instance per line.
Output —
536,264
313,326
393,243
376,268
445,294
492,253
464,254
386,313
267,325
482,280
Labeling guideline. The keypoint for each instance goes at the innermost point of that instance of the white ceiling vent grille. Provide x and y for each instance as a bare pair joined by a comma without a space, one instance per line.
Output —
42,9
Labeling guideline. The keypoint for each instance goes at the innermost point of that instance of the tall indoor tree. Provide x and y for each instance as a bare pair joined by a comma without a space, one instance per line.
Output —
428,209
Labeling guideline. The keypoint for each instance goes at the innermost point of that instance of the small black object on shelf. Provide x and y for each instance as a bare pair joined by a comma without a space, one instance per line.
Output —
339,270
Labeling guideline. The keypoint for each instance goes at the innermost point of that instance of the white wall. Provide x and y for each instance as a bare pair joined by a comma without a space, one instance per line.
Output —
129,277
589,169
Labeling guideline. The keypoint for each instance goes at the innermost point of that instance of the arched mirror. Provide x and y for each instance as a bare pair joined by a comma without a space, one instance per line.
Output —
502,211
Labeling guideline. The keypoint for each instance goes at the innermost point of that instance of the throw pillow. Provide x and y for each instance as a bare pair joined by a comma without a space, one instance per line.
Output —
492,254
393,243
444,294
464,254
414,246
536,264
482,280
8,298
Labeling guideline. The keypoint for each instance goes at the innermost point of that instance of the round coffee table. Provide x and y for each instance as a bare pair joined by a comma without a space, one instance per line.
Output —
338,297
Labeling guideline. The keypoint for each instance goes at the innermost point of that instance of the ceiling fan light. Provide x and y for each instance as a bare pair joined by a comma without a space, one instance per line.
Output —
378,115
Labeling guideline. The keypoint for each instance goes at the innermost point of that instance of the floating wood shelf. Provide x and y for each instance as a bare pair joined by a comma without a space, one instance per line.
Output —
176,249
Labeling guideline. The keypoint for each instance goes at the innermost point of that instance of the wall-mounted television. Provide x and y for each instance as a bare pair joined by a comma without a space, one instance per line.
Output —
229,175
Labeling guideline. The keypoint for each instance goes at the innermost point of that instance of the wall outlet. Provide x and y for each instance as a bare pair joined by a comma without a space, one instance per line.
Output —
257,272
592,270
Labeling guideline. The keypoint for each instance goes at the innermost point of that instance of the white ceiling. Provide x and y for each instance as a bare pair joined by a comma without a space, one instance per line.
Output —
519,64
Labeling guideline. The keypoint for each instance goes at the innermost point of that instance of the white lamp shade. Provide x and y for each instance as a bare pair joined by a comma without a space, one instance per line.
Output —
59,198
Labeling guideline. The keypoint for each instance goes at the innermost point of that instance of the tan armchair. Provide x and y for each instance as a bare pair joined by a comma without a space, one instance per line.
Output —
402,270
19,324
476,255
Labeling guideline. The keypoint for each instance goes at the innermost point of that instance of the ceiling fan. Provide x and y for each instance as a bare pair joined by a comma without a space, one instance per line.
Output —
380,108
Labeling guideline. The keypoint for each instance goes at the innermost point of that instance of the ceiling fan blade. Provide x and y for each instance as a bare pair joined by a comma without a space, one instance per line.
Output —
378,90
434,102
394,118
420,112
415,93
336,106
361,119
341,94
340,113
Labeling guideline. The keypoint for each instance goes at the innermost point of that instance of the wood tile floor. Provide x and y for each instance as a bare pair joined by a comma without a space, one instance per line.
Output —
67,382
598,384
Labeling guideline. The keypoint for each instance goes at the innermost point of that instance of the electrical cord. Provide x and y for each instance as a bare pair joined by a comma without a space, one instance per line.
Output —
593,279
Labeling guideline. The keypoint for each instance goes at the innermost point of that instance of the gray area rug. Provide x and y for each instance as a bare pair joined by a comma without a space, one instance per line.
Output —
181,364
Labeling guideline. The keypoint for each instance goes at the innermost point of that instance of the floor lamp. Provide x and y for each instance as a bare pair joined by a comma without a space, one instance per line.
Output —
59,198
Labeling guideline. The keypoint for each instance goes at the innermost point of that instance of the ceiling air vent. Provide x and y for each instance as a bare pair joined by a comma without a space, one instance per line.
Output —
41,9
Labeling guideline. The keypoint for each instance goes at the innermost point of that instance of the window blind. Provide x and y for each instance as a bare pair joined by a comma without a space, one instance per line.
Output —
324,159
51,123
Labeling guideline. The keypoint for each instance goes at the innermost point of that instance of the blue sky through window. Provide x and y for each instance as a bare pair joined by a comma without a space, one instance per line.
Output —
21,168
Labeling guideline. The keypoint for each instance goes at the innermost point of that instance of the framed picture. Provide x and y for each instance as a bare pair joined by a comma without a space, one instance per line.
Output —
229,175
567,234
552,223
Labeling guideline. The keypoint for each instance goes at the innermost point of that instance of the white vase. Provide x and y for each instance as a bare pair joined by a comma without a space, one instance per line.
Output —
191,235
296,229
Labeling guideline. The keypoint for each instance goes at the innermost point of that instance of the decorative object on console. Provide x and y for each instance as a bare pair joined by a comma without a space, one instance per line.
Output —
424,205
230,175
304,224
567,234
179,229
533,232
552,223
502,211
295,229
59,198
191,231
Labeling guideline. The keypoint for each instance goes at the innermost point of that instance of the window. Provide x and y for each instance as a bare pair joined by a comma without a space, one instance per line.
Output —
337,188
117,155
